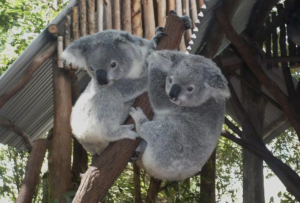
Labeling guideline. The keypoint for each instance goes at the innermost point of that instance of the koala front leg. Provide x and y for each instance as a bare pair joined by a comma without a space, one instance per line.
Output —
122,132
139,118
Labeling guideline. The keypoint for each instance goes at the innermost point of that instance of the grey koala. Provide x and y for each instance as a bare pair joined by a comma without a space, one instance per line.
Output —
188,95
115,60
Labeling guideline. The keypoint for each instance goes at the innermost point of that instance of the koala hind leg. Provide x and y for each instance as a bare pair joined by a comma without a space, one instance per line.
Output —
122,132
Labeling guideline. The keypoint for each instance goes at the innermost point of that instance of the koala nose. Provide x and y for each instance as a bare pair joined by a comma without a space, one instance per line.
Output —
174,92
102,77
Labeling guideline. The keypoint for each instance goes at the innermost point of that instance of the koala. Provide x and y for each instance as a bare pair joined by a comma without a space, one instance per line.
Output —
188,95
115,61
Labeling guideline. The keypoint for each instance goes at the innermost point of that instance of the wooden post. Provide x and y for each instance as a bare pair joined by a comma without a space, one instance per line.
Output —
100,14
107,167
171,5
60,149
153,190
161,12
117,15
186,11
108,14
91,16
194,12
126,16
75,23
137,22
82,6
33,170
149,19
137,183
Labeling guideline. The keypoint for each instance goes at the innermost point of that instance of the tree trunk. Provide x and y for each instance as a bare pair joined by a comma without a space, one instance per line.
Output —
153,190
33,169
253,176
60,149
208,180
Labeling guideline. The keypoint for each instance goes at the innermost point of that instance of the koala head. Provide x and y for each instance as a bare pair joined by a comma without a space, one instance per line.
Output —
107,56
192,79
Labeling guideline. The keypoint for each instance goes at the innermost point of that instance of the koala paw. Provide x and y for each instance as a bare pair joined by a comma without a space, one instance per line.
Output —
138,115
159,33
129,127
132,135
187,22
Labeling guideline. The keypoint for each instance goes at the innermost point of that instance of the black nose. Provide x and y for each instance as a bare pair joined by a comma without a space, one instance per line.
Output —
102,77
174,92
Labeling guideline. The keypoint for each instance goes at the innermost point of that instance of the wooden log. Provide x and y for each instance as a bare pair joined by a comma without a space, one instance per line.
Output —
117,15
108,14
126,16
161,12
100,14
194,13
53,30
60,62
75,24
182,46
137,22
16,129
83,21
245,51
274,41
149,20
26,76
171,5
91,16
33,170
67,31
153,190
61,144
107,167
186,12
137,183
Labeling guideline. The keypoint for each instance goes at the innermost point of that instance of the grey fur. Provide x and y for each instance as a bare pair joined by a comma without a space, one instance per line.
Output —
183,133
99,113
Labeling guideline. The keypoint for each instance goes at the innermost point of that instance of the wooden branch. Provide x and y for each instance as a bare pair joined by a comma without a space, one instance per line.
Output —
214,40
91,16
107,167
137,22
100,14
161,12
61,144
26,76
126,16
83,21
153,190
75,24
33,170
108,14
149,19
117,15
16,129
249,58
137,184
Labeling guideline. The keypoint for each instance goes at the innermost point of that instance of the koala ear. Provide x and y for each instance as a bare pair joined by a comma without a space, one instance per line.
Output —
216,82
75,54
160,60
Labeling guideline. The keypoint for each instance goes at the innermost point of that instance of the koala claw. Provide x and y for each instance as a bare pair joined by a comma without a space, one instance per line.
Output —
173,12
159,29
159,33
187,22
137,114
130,126
132,135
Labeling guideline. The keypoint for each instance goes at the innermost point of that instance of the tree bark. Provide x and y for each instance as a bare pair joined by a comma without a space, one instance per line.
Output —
126,16
33,169
108,14
255,67
91,16
83,21
26,76
60,149
137,22
149,19
117,15
100,14
208,180
107,167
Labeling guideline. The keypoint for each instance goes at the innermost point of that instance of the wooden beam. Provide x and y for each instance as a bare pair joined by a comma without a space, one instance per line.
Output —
33,170
19,131
245,51
107,167
61,144
27,74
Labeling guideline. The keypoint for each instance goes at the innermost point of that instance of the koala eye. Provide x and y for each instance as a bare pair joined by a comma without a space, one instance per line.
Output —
92,68
190,89
170,80
113,64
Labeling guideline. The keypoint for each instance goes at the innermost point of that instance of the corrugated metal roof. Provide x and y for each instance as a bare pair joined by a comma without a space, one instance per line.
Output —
32,108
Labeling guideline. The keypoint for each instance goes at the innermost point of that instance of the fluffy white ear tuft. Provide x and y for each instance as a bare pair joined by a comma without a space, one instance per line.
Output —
161,59
74,57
